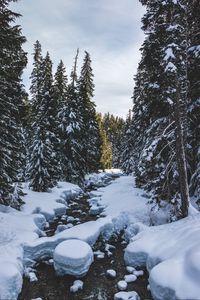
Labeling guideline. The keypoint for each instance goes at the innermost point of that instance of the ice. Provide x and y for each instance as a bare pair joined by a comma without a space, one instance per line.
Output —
111,273
132,295
122,285
73,257
130,278
171,253
77,285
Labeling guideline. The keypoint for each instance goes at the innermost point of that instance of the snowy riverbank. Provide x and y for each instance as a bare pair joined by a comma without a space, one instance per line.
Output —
161,248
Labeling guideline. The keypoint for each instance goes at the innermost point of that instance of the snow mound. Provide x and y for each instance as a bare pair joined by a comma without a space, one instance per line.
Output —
111,273
10,281
122,285
73,257
126,296
88,232
122,198
130,278
50,204
77,285
171,253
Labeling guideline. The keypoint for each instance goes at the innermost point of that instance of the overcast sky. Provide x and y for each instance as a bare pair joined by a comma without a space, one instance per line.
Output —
108,29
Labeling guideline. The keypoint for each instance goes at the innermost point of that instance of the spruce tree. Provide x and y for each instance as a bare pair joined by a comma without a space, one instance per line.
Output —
126,158
90,133
12,61
70,133
43,164
154,130
105,146
114,131
194,96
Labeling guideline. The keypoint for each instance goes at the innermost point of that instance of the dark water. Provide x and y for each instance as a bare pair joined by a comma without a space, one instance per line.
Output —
97,285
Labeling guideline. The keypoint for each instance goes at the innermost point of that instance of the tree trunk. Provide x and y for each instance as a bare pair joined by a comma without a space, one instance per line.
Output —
180,153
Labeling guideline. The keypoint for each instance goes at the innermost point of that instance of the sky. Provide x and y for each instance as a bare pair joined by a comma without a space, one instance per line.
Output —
110,30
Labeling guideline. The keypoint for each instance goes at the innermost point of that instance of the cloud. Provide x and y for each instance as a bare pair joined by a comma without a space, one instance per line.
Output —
108,29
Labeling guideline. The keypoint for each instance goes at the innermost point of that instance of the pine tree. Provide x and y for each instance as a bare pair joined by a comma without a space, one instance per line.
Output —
12,61
43,166
90,133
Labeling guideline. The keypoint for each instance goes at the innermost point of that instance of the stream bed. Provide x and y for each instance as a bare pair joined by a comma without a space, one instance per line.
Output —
97,285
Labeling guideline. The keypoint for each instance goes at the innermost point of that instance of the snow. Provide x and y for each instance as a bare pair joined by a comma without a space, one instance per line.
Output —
73,257
169,54
111,273
10,281
19,228
16,229
170,67
88,232
171,254
52,203
77,285
130,269
130,278
122,285
132,295
123,201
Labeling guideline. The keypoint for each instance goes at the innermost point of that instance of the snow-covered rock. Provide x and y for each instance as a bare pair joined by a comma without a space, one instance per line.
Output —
129,269
130,278
32,277
77,286
111,273
96,210
138,273
88,232
122,285
73,257
126,296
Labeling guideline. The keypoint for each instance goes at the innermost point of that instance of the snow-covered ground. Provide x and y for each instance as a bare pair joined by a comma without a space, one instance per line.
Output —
18,228
171,252
50,204
121,198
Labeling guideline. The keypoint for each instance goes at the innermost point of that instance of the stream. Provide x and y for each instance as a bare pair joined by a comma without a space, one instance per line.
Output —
97,285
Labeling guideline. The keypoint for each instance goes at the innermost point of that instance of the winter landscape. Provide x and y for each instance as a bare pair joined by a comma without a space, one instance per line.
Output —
100,186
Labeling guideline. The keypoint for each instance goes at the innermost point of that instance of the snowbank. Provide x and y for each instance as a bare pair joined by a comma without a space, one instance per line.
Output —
122,198
171,253
73,257
52,203
16,228
23,227
88,232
